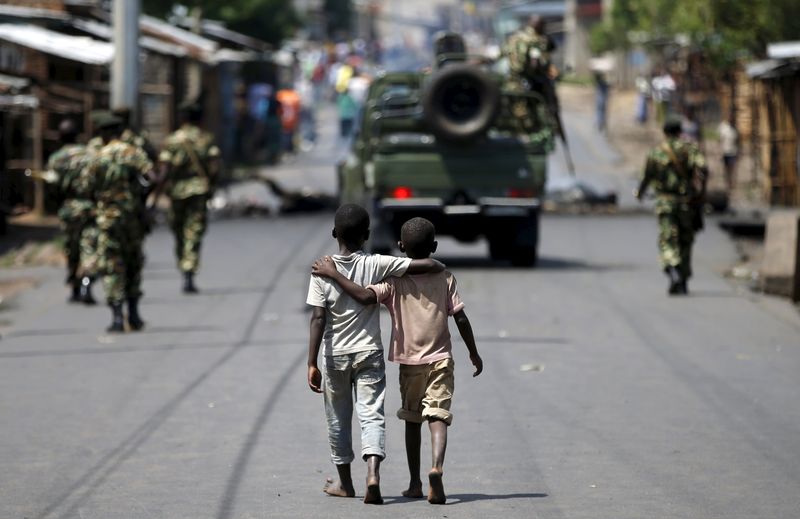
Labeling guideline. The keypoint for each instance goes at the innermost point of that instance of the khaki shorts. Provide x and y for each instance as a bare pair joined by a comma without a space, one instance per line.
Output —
427,391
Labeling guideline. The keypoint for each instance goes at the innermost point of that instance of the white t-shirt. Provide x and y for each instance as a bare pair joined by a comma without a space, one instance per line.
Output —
351,327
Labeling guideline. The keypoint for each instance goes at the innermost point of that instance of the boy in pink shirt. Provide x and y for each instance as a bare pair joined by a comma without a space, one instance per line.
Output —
419,306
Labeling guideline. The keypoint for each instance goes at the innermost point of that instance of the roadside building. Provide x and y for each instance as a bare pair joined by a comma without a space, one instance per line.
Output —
775,114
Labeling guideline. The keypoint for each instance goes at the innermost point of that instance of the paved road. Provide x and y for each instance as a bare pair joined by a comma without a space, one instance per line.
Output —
601,397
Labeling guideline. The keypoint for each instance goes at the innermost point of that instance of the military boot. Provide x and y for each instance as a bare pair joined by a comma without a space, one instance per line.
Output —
75,296
674,280
117,319
188,283
86,291
134,319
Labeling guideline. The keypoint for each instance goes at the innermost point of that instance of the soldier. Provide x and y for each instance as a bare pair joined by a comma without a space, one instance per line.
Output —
76,212
677,170
189,163
119,177
528,51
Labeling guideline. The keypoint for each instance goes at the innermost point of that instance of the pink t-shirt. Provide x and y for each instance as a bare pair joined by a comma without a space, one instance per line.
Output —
419,305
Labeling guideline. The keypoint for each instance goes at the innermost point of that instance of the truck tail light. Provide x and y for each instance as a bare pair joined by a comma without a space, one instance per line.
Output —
402,192
516,192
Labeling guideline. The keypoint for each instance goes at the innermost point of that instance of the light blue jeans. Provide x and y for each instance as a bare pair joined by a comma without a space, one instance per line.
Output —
363,376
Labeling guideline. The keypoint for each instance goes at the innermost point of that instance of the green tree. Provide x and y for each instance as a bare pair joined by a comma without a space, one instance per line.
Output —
268,20
725,30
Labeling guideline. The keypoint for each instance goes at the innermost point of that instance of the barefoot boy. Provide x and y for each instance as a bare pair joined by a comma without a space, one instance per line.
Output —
353,355
419,306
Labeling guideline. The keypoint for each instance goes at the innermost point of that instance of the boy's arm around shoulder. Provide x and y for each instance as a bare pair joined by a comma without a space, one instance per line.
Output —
425,266
325,267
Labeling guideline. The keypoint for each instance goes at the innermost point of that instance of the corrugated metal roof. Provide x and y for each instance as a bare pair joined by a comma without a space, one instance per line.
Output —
217,30
14,82
75,48
18,11
105,32
773,68
197,45
785,49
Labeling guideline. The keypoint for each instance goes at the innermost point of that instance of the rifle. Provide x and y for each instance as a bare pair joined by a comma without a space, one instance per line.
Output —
545,87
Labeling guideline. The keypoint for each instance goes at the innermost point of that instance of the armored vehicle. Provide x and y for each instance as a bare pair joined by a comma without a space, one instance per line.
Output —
458,145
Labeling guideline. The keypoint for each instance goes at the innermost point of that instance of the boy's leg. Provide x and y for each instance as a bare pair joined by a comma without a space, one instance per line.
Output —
413,442
338,397
438,429
413,381
436,408
370,380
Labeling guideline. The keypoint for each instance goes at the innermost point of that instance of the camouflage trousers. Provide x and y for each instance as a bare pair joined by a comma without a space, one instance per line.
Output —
80,247
188,219
121,258
675,239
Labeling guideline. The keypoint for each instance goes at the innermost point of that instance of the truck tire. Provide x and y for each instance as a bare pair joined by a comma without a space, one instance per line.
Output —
460,102
524,257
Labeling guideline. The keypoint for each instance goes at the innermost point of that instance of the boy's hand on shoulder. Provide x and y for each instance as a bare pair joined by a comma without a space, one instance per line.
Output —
324,267
477,361
314,379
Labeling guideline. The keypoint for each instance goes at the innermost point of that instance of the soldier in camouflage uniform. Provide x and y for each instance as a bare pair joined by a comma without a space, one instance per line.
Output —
119,181
189,162
529,59
77,208
677,171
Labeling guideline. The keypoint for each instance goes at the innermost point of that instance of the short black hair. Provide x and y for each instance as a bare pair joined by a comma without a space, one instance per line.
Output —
418,235
351,223
672,126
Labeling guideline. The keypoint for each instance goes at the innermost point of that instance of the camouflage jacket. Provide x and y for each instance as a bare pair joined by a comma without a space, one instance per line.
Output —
68,164
675,184
191,156
117,177
528,53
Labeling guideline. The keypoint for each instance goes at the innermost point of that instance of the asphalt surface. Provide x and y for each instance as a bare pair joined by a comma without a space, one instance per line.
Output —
601,396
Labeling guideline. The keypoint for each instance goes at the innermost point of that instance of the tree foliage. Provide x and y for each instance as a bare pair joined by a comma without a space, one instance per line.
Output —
725,30
268,20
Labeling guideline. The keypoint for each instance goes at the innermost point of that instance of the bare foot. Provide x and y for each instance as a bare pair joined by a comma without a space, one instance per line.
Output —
334,488
414,490
373,496
436,493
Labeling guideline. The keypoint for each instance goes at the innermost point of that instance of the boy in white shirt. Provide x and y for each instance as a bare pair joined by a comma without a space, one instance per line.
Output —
350,335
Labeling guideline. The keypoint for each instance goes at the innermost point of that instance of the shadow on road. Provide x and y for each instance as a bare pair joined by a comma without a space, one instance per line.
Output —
455,499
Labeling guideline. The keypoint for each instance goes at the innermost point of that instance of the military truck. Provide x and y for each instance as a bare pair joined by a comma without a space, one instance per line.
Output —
456,145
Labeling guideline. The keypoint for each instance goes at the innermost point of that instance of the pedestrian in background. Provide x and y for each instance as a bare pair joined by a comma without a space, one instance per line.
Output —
601,100
347,107
642,99
189,167
729,142
677,171
119,179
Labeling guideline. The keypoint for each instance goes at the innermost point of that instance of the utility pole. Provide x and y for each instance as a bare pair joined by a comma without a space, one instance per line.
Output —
125,67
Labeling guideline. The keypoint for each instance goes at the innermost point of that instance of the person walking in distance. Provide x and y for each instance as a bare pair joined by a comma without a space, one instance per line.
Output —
189,166
677,171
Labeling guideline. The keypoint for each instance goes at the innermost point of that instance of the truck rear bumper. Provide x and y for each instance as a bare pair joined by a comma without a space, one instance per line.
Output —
486,207
489,216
